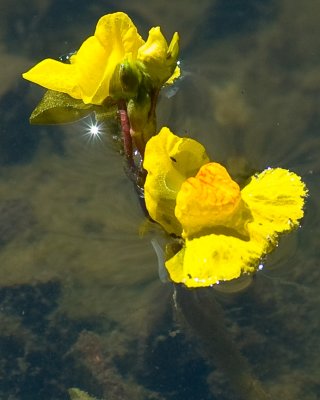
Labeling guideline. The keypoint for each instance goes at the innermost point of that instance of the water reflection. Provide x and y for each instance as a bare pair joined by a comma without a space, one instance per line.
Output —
81,301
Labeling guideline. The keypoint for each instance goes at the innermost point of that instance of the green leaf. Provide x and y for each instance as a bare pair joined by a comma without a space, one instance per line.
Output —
58,108
106,115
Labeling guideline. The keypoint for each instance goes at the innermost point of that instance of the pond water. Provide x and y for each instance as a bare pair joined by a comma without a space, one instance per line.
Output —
81,302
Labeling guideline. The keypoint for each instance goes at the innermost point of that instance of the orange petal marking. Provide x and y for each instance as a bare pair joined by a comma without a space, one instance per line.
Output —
208,199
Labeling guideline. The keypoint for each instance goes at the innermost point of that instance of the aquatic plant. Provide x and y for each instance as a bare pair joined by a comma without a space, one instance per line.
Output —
218,231
113,68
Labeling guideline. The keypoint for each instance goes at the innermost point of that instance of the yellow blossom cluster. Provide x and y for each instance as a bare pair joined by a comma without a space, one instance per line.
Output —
92,69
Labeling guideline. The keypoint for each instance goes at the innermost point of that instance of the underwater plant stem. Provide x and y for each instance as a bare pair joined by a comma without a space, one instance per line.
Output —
125,129
205,317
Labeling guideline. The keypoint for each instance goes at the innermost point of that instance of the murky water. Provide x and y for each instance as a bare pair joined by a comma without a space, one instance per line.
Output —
81,302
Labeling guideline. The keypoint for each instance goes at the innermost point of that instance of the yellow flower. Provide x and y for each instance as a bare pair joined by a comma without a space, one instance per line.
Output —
159,58
226,230
88,76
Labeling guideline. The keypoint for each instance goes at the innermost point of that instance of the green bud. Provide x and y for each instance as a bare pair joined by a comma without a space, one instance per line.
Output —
130,77
126,80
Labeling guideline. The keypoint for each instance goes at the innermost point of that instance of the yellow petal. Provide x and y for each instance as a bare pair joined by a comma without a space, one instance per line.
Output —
208,199
155,49
55,75
169,160
174,53
94,67
176,74
173,50
159,59
213,258
276,199
117,31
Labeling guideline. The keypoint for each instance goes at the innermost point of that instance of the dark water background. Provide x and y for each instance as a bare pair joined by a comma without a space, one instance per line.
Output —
81,303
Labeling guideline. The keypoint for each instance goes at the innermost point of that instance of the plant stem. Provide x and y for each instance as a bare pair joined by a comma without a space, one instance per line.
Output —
204,315
125,129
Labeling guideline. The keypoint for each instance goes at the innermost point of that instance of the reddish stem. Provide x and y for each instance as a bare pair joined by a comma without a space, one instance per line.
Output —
125,128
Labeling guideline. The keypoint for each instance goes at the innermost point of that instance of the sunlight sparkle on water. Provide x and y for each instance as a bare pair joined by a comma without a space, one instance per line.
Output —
93,130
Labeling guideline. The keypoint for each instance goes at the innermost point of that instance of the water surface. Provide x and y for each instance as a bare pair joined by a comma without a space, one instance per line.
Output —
81,302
